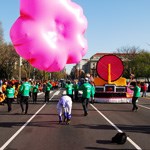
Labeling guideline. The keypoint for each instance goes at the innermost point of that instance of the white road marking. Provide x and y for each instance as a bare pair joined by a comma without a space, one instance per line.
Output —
40,93
57,92
111,123
143,106
15,135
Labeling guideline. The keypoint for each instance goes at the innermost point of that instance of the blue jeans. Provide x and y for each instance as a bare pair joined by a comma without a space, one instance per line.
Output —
85,102
144,94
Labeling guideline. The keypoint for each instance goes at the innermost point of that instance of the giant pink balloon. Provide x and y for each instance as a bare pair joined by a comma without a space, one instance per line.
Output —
50,33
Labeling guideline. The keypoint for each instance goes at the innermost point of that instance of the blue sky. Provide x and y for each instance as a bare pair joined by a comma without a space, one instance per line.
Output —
112,24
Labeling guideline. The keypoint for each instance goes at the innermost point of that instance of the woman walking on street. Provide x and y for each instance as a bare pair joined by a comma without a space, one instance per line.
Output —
10,93
136,95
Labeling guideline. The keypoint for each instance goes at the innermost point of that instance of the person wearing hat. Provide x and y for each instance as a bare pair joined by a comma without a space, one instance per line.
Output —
65,103
87,91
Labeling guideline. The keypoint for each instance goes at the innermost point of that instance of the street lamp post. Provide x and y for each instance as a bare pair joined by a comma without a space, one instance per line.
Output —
20,64
78,69
34,71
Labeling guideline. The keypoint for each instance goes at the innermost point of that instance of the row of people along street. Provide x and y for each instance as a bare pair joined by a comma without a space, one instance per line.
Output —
27,90
22,93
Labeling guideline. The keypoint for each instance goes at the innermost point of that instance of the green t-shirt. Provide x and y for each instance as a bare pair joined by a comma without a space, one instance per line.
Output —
69,89
35,89
48,86
10,92
87,90
25,89
137,91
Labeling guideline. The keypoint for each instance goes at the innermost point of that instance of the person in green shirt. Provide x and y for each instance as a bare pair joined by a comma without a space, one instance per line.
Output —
87,91
69,89
10,93
35,90
47,89
25,89
136,94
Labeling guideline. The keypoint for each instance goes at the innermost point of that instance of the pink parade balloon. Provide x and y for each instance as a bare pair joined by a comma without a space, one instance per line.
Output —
50,33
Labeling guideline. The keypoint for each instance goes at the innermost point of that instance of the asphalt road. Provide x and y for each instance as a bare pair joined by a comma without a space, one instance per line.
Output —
39,130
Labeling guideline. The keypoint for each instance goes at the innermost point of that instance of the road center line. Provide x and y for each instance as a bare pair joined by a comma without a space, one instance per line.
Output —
111,123
15,135
57,92
143,106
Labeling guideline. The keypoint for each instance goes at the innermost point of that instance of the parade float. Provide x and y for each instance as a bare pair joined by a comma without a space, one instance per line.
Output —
110,86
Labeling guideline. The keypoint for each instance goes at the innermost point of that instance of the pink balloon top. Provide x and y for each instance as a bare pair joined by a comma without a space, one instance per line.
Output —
50,33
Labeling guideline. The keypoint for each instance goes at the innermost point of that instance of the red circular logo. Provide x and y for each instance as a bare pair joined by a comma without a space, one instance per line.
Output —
116,67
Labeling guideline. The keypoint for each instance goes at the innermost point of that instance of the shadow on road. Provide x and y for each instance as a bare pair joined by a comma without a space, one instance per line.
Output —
31,124
125,128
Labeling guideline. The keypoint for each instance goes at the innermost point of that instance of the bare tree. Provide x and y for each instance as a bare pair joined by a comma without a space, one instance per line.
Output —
1,34
138,62
8,60
129,54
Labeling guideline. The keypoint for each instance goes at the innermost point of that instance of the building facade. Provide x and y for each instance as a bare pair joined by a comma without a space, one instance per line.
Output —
95,58
88,66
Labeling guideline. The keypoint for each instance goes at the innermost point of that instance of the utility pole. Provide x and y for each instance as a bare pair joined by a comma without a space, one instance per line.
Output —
20,64
34,70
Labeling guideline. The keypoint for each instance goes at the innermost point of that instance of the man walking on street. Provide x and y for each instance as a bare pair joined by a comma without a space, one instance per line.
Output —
48,87
87,91
136,95
25,91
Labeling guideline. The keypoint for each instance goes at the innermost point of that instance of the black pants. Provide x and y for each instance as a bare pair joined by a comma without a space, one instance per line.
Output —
9,102
34,97
134,100
47,95
76,95
85,102
18,98
24,100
